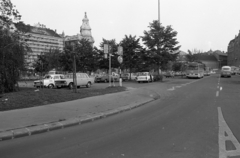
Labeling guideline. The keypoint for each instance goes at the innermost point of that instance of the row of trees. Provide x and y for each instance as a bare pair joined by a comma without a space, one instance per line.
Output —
159,44
160,47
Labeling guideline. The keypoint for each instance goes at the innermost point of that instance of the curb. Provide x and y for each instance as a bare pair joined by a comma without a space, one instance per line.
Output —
48,127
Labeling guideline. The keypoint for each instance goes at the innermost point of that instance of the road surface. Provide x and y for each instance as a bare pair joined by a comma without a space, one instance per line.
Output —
198,120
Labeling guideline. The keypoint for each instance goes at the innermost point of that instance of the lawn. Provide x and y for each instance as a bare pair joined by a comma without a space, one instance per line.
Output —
30,97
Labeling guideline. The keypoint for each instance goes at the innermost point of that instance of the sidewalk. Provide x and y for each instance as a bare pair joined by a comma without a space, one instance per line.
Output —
24,122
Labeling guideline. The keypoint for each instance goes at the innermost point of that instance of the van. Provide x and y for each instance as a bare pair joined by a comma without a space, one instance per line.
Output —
226,71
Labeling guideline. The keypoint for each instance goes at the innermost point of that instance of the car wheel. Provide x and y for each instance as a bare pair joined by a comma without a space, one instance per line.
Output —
70,85
88,85
51,86
138,81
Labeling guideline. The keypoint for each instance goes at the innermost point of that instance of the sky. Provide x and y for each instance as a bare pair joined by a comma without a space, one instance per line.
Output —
201,24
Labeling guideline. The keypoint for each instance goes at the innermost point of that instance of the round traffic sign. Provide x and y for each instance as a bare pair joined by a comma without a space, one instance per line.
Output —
120,59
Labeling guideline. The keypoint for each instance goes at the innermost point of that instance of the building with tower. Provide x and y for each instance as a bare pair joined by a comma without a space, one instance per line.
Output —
85,32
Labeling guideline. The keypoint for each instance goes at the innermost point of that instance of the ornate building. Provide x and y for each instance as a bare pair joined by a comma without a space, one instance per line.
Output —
85,32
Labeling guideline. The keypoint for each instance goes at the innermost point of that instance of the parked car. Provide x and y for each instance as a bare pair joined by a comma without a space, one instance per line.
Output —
82,80
48,80
125,76
169,74
128,76
105,78
144,77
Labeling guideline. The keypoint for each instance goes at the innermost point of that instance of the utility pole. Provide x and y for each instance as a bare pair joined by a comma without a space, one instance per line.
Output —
74,70
109,71
159,12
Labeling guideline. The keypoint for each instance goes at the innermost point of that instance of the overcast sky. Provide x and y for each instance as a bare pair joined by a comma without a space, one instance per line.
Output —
201,24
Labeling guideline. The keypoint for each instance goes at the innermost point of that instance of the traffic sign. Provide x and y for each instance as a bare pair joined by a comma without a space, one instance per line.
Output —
120,59
120,50
105,48
105,56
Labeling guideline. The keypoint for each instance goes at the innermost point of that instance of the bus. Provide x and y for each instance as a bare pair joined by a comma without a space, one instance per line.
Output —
195,70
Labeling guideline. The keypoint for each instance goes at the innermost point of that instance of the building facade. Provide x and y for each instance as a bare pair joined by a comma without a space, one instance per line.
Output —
40,41
234,51
85,32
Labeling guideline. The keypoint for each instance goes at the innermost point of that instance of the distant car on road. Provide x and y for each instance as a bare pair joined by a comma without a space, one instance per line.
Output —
226,71
48,80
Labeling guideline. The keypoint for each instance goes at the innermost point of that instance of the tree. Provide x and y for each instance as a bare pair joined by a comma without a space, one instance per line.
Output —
13,48
85,56
191,56
131,49
8,13
161,43
48,61
104,63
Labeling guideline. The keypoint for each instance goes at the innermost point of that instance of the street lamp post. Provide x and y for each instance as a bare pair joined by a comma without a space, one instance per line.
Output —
159,12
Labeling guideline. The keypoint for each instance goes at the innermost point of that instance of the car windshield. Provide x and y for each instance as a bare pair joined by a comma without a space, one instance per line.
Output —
143,74
225,69
47,77
192,67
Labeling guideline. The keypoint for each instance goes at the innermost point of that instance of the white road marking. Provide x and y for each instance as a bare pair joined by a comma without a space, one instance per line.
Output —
220,88
178,86
225,134
217,93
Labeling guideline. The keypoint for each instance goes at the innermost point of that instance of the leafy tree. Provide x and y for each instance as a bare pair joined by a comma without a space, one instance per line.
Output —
13,48
161,42
48,61
131,49
178,66
85,56
104,63
66,58
8,13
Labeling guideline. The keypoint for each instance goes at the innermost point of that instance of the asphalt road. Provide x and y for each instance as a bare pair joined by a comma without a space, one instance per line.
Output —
198,120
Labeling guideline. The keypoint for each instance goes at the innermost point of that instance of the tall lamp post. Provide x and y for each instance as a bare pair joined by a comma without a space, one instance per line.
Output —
159,12
74,67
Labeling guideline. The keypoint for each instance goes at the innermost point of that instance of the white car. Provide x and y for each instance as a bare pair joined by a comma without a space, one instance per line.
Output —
82,80
144,77
48,80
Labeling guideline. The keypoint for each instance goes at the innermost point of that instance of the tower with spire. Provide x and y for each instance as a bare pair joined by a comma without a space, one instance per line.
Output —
85,32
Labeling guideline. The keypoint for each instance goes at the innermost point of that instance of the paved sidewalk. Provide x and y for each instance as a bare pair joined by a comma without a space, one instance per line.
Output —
24,122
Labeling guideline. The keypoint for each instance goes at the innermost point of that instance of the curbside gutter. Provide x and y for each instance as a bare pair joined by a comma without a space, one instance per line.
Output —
47,127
